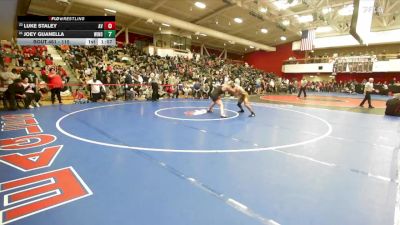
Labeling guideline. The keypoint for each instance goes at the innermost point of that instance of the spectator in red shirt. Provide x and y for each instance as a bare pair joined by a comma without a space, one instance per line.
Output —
48,61
7,59
55,85
27,53
32,51
40,50
109,68
43,73
79,97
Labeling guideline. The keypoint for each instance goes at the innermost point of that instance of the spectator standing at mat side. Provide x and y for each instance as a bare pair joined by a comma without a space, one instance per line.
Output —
15,91
97,89
303,85
368,89
154,86
55,85
129,79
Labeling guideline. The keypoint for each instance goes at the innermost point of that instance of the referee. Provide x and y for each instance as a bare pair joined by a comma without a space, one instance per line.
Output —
368,89
303,86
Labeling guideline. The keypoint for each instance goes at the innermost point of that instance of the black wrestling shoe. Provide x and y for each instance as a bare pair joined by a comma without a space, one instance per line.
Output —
209,111
241,111
252,115
371,107
224,117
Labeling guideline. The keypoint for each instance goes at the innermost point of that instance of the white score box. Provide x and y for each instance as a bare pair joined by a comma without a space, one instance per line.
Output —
106,41
91,41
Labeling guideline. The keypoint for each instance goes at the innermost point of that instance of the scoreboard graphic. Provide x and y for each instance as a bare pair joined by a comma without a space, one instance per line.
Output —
66,30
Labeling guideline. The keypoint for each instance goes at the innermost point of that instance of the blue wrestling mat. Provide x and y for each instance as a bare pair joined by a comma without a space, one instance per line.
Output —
172,163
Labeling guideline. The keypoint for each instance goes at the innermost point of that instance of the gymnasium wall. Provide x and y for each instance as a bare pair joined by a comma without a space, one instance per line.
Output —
272,61
325,78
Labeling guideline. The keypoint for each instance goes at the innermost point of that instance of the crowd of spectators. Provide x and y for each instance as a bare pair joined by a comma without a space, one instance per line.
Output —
128,73
350,87
20,81
109,73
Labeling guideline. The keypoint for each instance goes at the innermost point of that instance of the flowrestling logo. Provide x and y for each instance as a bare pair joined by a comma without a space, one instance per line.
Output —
196,112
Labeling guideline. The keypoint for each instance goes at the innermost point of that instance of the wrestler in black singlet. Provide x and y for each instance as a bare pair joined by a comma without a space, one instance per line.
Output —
216,92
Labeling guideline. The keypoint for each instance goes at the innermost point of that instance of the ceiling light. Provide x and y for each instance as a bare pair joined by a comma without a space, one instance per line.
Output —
263,30
326,10
285,23
166,24
238,20
283,38
324,29
110,10
263,10
232,42
200,5
285,4
251,46
346,11
204,35
305,19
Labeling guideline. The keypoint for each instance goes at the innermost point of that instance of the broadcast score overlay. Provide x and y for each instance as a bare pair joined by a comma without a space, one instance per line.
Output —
66,30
